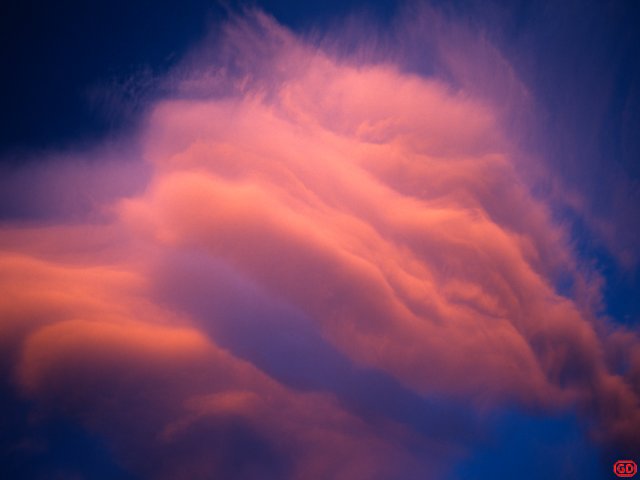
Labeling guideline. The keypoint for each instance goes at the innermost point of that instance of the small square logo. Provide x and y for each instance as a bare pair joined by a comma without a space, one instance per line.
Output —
625,468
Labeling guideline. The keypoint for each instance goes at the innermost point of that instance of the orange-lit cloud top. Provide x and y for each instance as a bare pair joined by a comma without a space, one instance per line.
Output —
377,212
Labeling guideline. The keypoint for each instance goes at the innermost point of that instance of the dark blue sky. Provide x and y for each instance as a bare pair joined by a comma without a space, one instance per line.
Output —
76,71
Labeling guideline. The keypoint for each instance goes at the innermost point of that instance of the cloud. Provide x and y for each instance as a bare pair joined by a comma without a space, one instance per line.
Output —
93,348
312,225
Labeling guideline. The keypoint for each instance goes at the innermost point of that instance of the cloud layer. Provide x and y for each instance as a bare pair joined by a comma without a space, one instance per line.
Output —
316,232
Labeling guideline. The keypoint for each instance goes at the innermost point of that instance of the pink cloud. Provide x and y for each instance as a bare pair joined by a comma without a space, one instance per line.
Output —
385,208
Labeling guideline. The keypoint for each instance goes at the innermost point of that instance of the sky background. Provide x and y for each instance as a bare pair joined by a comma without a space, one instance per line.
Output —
364,240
